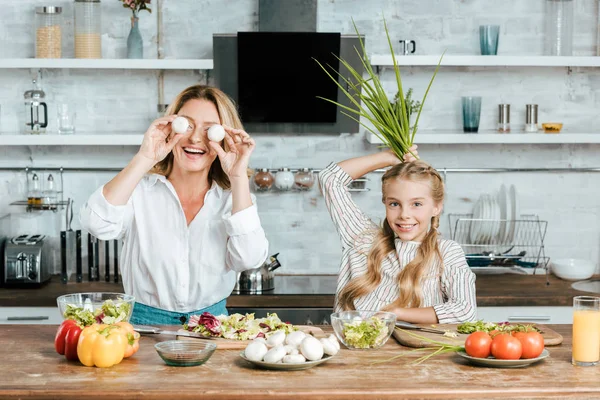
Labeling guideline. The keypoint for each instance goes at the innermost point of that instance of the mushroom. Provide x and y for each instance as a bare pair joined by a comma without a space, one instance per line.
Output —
311,348
255,351
294,359
328,346
274,355
289,348
295,338
180,125
334,340
276,339
216,133
261,340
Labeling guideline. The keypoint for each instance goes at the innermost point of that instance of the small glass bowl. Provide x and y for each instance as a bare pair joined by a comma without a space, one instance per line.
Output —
185,353
343,323
552,127
94,301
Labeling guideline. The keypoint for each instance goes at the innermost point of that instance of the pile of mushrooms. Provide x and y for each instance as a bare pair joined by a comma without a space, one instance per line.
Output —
294,348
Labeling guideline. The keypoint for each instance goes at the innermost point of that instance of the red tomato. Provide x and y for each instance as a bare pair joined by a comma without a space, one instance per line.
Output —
478,344
531,342
506,347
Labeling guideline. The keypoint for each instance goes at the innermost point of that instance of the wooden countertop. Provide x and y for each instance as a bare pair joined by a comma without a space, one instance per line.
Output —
317,291
31,368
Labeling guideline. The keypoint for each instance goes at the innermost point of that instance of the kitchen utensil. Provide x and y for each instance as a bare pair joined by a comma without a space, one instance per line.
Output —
107,261
64,276
35,119
179,353
93,301
258,280
78,257
24,261
408,325
90,257
96,267
573,269
280,366
68,245
346,321
116,260
158,331
405,47
498,363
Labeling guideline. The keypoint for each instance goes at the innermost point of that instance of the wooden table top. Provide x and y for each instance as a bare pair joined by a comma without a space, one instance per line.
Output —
317,291
29,367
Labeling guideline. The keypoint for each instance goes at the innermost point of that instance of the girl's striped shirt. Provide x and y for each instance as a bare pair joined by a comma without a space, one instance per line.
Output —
451,292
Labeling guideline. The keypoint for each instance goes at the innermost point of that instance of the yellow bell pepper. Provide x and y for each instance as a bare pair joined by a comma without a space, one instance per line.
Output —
101,345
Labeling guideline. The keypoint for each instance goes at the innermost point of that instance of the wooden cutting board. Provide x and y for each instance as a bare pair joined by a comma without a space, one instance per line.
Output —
404,337
230,344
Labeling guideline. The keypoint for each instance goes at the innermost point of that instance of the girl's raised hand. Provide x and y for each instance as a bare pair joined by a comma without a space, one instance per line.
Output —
159,139
411,155
235,161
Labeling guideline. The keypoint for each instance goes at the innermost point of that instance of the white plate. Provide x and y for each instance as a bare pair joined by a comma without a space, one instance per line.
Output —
287,367
486,225
497,363
495,216
475,226
507,204
514,200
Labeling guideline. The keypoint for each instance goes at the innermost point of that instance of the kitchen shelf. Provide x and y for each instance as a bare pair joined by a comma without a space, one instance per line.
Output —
457,137
117,139
103,63
40,207
485,61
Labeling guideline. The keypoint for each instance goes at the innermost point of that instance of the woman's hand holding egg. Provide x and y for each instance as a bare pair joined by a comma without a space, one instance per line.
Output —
235,160
160,138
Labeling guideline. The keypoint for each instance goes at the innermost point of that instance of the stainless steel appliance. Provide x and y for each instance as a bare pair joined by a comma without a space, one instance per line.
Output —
258,280
23,261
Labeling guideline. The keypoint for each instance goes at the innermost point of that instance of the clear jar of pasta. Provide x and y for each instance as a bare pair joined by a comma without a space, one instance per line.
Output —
88,29
48,32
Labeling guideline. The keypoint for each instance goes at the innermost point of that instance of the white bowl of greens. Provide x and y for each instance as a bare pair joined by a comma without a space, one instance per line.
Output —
99,307
363,330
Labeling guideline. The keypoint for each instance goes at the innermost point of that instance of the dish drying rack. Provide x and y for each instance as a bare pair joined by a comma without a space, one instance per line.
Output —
501,245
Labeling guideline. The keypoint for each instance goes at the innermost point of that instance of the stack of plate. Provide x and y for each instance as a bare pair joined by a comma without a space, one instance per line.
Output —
494,217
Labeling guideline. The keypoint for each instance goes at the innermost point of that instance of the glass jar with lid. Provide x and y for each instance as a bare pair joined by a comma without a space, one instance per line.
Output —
304,179
88,29
48,32
284,179
263,180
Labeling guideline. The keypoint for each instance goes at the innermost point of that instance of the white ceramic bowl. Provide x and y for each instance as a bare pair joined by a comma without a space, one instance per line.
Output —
573,269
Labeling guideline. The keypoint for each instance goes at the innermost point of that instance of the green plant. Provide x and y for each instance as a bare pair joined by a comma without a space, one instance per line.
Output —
412,105
390,121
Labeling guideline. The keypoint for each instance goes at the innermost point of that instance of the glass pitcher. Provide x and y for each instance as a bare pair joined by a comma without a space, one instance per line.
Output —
35,118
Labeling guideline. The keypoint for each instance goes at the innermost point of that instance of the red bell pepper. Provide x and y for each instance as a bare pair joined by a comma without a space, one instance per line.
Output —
66,339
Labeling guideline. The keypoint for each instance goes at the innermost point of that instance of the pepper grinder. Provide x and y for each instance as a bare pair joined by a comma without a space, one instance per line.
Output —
504,118
531,118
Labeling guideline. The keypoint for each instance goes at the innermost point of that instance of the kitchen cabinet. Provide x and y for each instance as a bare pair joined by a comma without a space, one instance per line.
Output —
30,315
540,315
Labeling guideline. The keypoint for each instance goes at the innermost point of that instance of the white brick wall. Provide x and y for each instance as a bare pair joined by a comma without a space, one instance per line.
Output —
298,225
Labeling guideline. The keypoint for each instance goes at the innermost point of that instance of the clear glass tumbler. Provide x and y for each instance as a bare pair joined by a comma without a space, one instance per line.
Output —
66,119
488,39
471,110
586,331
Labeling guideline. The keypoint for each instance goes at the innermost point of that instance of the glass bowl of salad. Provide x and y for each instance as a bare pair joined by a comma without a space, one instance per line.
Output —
363,330
99,307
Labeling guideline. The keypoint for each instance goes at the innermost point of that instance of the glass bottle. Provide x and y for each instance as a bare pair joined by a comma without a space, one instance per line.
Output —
263,180
48,32
559,27
284,179
34,195
49,196
88,29
304,179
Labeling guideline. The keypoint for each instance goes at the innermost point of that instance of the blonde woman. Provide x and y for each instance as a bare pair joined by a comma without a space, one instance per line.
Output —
405,266
187,220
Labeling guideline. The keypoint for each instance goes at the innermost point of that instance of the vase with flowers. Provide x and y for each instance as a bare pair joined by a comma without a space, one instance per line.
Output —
135,44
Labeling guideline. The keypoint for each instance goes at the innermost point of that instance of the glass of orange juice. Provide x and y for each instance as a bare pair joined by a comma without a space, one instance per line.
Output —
586,331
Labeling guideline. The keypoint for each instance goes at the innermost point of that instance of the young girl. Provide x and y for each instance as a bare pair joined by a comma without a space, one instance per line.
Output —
403,267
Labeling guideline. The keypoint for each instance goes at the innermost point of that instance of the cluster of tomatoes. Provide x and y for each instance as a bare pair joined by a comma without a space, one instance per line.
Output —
505,345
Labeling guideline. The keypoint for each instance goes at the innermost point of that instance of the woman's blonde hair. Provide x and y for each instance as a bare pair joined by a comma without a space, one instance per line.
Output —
428,253
227,114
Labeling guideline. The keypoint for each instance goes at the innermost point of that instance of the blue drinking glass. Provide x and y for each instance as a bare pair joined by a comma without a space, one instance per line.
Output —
488,39
471,110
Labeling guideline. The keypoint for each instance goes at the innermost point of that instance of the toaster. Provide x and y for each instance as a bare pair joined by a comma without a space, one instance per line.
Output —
23,261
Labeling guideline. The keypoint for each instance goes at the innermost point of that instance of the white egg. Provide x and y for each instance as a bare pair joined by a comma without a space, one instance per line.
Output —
334,340
295,338
255,351
294,359
180,125
328,347
274,355
311,348
276,339
216,133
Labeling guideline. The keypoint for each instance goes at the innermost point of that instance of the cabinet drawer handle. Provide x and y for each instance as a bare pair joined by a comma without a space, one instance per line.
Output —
529,318
33,318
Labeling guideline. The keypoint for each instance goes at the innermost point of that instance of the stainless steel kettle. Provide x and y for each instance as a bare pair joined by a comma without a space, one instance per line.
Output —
258,280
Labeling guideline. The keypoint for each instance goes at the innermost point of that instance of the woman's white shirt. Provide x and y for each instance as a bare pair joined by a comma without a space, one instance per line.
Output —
164,262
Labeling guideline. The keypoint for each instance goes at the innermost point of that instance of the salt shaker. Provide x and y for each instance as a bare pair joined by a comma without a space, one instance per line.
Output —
49,196
284,179
263,180
304,179
504,118
531,118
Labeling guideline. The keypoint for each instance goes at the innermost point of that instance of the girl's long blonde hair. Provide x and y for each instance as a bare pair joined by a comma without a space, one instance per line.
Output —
428,253
227,114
